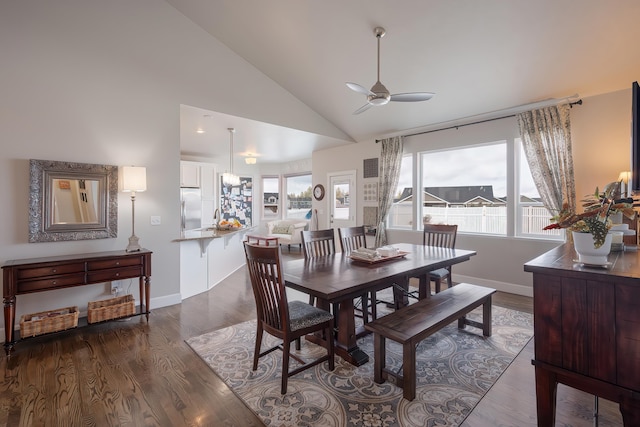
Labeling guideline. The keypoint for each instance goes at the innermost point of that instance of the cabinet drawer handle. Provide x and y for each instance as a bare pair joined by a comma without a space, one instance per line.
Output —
117,262
54,270
117,274
55,282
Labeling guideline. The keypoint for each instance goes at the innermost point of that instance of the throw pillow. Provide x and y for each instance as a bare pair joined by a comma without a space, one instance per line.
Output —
280,229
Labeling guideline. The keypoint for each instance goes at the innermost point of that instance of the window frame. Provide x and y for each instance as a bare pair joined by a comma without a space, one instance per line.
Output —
285,189
514,226
279,202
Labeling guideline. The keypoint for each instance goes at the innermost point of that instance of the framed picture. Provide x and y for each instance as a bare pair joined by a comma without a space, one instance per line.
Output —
370,192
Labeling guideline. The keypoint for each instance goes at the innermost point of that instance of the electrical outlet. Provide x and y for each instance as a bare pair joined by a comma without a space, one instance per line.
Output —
156,220
115,288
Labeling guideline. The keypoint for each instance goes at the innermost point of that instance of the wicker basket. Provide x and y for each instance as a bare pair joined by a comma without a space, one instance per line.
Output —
44,322
114,308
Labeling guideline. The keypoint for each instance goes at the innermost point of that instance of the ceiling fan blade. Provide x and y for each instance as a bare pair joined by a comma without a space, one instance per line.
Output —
412,97
362,109
357,88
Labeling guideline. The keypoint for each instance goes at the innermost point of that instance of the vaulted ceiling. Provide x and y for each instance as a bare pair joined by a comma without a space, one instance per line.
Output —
478,57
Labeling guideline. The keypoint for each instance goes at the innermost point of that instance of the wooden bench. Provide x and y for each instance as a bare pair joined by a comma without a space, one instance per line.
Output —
412,324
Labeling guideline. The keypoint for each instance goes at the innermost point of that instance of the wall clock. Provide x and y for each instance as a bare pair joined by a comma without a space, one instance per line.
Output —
318,192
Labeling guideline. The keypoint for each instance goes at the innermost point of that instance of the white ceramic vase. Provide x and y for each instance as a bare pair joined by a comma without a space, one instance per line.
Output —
587,253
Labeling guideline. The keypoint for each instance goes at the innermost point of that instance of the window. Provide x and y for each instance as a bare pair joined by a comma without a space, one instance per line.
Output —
466,186
470,186
298,188
270,197
533,215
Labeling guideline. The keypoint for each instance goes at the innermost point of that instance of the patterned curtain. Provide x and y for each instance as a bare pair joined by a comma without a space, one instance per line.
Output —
546,136
391,158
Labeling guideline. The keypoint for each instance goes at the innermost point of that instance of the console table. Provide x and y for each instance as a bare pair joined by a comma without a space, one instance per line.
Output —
45,274
587,330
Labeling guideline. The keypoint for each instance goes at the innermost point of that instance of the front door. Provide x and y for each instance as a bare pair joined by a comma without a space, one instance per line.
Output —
342,199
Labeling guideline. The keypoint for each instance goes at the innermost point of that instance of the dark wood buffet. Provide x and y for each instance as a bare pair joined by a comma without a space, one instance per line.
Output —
587,330
45,274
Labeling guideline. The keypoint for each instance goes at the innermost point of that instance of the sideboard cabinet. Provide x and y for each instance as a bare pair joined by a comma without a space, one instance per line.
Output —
587,330
44,274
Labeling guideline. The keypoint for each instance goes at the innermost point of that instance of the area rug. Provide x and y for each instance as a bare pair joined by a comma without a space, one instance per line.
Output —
455,368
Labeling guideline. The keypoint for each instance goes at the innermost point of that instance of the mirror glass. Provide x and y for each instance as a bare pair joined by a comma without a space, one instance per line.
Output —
72,201
75,201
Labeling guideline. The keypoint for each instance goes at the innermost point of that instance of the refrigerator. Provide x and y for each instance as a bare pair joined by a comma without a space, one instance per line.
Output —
191,209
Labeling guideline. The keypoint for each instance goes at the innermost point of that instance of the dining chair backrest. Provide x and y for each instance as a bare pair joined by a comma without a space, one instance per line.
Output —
265,271
352,238
316,243
440,235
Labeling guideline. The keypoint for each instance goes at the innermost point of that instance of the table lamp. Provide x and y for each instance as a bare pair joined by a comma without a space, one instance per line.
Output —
134,180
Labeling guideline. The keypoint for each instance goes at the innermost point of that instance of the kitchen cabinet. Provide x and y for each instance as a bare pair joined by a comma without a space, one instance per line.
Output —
209,199
201,175
189,174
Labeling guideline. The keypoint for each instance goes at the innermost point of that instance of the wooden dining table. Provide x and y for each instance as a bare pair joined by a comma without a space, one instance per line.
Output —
338,279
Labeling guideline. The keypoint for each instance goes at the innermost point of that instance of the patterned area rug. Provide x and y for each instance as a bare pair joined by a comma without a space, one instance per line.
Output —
455,368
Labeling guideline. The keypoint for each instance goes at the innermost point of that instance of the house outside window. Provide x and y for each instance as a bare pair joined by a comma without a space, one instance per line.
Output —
270,197
466,186
298,189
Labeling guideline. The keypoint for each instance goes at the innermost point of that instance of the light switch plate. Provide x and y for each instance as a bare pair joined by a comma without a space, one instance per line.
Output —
155,220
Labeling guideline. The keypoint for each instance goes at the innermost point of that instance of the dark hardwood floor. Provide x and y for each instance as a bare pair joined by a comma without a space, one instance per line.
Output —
137,373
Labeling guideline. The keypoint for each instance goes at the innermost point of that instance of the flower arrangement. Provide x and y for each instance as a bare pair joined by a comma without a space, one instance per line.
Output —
595,218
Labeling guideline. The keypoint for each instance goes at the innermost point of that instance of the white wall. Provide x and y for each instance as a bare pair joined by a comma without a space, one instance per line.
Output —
601,150
601,137
102,82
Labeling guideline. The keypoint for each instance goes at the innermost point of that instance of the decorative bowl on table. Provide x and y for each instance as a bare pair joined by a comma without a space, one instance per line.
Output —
229,225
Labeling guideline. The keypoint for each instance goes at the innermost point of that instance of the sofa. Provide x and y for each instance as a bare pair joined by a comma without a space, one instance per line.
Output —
287,231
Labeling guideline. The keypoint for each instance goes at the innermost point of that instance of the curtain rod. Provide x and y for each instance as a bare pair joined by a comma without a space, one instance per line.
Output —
571,104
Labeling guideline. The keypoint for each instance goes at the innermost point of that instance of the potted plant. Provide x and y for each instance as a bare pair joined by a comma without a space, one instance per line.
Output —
590,229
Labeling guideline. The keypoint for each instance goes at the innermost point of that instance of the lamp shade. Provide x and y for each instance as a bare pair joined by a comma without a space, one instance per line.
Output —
134,179
625,177
250,160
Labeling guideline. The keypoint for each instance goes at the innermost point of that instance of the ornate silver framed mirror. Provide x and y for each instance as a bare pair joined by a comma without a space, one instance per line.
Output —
72,201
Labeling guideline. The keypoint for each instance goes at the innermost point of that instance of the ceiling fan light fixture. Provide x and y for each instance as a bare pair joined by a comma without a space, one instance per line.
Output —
250,160
378,100
379,94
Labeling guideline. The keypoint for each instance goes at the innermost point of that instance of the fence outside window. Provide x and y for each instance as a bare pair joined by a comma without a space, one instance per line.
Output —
480,219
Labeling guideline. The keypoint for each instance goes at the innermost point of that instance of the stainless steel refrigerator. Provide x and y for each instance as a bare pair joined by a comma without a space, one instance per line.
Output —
191,208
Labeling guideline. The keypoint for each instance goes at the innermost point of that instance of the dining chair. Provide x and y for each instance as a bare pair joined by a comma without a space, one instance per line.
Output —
317,243
277,316
352,238
443,236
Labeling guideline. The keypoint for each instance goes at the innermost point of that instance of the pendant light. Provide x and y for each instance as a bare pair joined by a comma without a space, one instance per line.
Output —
228,178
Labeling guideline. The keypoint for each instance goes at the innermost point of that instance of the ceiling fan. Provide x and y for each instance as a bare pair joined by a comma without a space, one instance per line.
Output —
379,94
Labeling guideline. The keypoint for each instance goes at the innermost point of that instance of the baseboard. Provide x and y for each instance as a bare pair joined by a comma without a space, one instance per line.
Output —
224,278
165,301
511,288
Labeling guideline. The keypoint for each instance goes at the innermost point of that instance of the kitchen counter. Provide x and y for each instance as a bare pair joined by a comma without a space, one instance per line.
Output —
207,256
208,233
